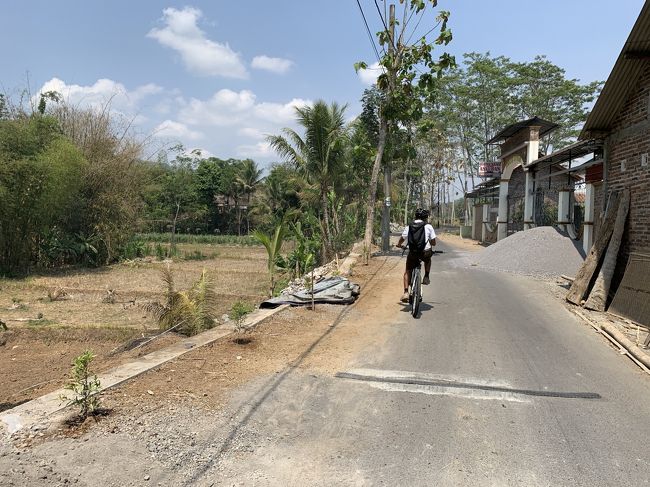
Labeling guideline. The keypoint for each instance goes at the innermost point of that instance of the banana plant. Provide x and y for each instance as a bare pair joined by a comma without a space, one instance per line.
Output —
273,245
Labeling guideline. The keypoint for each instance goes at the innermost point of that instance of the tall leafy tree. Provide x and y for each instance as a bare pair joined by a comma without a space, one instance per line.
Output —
486,93
540,88
318,154
41,176
408,78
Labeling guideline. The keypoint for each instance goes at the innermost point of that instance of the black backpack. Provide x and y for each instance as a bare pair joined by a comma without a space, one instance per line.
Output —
417,237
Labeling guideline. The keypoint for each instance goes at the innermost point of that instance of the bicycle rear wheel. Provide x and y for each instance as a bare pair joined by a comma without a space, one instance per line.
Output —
416,292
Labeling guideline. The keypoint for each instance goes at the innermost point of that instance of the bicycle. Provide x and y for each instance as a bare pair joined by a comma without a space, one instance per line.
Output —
415,289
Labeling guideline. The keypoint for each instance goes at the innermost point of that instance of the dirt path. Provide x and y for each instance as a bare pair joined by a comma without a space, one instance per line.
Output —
460,243
167,412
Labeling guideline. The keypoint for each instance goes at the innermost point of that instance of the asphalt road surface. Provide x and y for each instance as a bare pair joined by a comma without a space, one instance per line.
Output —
496,384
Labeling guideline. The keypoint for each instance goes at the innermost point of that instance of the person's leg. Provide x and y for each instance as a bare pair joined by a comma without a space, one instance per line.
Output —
407,279
427,266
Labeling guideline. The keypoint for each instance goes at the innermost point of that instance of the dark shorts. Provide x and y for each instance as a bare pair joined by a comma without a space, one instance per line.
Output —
412,259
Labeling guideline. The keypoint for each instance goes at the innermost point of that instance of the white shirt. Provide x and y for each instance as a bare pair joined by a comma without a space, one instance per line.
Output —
429,234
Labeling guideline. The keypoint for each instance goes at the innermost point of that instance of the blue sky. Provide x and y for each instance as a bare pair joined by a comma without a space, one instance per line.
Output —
219,75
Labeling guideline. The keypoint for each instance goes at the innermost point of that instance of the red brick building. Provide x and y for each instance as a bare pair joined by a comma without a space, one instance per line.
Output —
621,119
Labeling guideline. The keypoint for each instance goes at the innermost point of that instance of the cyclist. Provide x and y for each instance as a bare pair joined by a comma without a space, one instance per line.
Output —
421,239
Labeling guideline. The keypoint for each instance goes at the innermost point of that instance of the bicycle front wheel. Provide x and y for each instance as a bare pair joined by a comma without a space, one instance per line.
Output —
416,291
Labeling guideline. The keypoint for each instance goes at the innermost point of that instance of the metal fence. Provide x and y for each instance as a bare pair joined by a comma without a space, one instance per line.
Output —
516,204
545,207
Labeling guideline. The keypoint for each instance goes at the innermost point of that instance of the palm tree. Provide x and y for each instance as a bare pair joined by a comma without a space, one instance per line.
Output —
248,179
318,154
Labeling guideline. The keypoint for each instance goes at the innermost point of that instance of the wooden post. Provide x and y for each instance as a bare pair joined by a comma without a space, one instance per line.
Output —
582,283
313,304
598,297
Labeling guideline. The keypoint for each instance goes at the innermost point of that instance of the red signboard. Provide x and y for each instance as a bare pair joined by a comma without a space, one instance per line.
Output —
489,169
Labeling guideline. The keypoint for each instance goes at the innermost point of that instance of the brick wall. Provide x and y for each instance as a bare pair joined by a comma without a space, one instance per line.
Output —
630,138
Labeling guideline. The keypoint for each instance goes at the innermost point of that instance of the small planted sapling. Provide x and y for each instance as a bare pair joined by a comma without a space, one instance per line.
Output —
84,386
238,314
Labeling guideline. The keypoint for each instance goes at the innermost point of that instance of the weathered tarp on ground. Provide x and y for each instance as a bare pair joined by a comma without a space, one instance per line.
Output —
334,290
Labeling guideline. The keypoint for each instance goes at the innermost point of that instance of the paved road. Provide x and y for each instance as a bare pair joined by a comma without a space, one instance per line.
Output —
496,384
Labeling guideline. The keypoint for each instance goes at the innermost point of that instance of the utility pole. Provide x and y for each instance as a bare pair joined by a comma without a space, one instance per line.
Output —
438,184
385,219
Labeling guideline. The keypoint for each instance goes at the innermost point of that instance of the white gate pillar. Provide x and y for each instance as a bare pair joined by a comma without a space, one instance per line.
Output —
529,202
563,209
588,229
486,221
532,153
502,219
475,227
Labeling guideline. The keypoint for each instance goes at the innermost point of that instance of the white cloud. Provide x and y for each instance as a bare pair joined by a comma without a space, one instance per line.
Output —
369,75
228,108
242,122
224,108
176,130
273,64
200,55
280,113
251,132
260,150
146,90
229,123
102,93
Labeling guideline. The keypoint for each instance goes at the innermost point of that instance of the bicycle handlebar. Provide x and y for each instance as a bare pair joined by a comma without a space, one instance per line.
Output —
405,248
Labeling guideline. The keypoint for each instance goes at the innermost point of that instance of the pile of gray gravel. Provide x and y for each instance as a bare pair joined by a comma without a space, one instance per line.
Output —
540,252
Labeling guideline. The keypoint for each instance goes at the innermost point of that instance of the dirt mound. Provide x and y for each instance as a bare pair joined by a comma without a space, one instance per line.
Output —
540,252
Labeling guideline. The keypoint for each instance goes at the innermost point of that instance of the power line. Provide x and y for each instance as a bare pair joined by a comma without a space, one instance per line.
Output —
372,41
383,21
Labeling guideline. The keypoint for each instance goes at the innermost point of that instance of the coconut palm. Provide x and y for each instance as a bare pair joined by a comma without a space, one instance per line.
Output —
189,311
319,154
248,179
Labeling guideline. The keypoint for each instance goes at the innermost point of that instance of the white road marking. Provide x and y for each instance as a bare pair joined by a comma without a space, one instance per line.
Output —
440,390
449,391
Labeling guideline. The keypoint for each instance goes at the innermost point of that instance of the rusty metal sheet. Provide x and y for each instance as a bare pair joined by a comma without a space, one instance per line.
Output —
632,298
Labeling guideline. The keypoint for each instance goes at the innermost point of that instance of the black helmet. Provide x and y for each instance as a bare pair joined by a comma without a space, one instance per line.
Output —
421,214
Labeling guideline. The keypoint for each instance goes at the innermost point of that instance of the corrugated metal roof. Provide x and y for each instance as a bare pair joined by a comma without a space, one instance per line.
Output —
513,128
570,152
486,189
623,77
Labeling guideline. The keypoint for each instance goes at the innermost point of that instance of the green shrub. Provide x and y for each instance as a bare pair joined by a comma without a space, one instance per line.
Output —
238,312
182,238
194,255
161,253
84,386
135,249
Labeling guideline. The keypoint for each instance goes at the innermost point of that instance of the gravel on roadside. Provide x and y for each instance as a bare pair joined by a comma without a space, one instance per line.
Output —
542,252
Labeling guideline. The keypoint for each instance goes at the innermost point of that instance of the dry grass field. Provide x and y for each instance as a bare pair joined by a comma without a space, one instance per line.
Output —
44,334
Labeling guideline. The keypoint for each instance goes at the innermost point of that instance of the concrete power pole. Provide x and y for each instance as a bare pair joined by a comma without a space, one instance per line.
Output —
385,218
